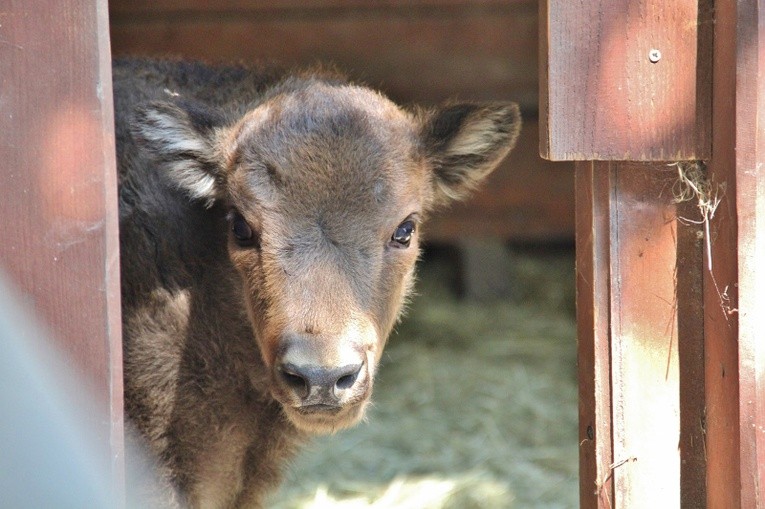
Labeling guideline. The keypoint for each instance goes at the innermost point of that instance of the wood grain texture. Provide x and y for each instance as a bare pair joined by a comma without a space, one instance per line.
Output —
640,325
735,369
644,362
605,99
750,209
593,283
165,6
713,294
721,330
412,55
58,195
689,298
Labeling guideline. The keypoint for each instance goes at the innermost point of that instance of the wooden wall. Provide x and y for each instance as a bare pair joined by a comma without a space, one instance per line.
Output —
422,51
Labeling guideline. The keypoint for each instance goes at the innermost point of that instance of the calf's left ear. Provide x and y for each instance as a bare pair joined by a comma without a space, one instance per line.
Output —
464,142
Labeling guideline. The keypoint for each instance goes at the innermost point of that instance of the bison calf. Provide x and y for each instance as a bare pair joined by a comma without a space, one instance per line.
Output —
270,226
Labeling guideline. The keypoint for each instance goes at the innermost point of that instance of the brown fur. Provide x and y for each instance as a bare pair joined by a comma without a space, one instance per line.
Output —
260,275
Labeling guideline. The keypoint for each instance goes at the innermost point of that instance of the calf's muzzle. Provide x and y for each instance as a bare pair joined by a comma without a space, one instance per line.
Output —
321,375
321,386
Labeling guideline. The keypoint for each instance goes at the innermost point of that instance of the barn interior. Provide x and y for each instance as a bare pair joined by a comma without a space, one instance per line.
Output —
658,102
476,399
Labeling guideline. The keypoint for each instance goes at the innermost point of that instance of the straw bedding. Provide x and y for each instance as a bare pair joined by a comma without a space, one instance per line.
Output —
475,404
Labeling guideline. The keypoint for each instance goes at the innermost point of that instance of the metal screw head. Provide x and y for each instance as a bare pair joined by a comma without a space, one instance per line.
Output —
654,56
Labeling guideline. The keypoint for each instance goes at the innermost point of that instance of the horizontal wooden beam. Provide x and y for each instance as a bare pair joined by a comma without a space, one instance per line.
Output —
167,6
423,59
624,80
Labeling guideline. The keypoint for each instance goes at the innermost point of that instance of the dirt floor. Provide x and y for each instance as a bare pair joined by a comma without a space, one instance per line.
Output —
475,403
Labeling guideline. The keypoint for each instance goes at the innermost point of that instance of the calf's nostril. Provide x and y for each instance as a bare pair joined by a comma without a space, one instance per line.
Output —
347,381
294,381
349,376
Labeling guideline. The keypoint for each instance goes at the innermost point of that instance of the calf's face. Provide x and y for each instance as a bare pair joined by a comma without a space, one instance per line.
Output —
326,186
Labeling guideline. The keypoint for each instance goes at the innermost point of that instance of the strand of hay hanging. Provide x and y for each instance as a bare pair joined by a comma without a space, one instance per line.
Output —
694,184
475,407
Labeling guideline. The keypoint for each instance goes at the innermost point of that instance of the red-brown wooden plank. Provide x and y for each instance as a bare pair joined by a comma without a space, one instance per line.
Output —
644,363
174,6
593,282
639,338
605,99
58,196
734,302
413,56
716,295
750,211
690,351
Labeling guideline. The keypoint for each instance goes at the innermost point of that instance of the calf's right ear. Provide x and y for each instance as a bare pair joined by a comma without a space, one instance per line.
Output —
180,138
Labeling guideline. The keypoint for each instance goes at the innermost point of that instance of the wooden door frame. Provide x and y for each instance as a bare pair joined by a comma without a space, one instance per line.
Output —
710,266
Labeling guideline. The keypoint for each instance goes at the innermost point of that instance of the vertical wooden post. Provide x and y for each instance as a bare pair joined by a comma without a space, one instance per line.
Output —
643,311
593,330
733,287
690,351
58,192
636,336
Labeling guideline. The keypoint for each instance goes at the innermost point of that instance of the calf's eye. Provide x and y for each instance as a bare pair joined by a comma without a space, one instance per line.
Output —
243,233
403,234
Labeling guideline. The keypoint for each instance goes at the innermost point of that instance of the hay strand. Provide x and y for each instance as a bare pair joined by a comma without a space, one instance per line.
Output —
694,184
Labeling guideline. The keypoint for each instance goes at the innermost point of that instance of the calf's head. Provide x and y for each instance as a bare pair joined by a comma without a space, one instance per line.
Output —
325,186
